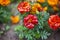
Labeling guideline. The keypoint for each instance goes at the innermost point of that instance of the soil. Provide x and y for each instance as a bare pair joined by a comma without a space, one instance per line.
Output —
10,35
55,36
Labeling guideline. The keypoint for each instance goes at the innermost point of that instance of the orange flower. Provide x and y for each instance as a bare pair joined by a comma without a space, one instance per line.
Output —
4,2
41,1
52,2
14,19
36,7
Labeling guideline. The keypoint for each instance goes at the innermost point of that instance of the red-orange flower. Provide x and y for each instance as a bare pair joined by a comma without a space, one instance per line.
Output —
23,7
30,21
54,22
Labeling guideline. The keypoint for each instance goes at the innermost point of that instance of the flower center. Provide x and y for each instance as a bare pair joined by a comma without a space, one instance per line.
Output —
30,20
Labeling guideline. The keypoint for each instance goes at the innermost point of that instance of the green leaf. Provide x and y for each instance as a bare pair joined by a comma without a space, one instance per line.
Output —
37,35
21,35
7,28
1,32
44,34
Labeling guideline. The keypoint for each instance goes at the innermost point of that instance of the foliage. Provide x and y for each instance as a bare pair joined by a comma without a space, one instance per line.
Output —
40,30
4,14
4,29
16,1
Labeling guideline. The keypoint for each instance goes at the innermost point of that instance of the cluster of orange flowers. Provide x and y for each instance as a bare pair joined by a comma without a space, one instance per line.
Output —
37,7
52,3
4,2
